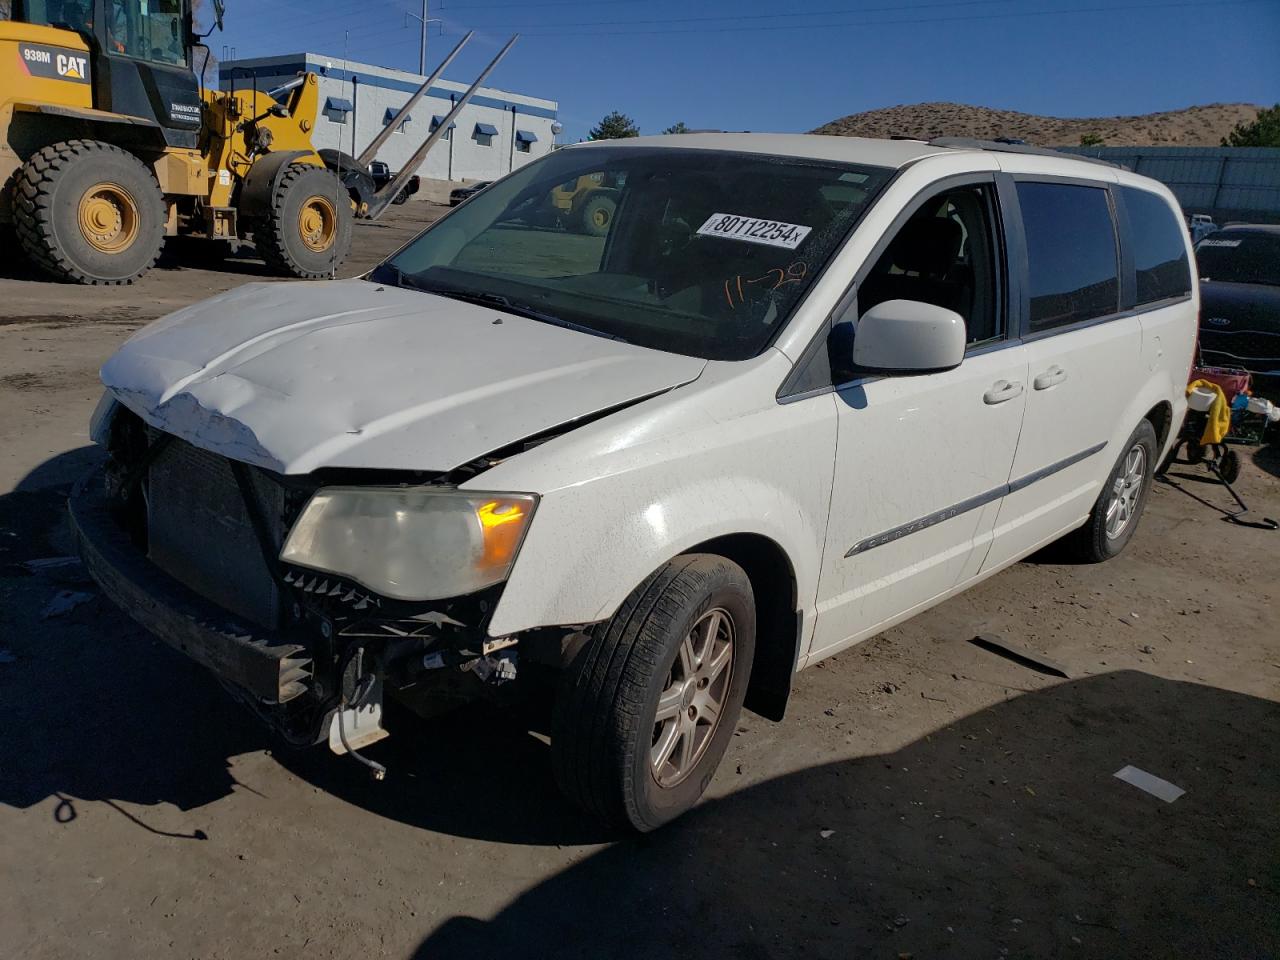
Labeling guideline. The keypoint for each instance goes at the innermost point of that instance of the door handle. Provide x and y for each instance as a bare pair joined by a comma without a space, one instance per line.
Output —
1001,391
1051,377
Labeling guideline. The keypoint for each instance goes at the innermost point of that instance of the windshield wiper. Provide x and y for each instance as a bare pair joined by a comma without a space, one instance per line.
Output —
502,302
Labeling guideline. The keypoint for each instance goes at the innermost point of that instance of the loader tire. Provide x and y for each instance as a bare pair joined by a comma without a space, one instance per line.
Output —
596,215
307,233
88,212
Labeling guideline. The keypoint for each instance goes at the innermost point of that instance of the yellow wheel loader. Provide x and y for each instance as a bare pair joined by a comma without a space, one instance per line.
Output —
109,143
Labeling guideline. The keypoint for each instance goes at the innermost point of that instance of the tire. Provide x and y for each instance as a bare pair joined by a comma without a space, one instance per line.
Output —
605,727
1127,486
316,194
88,212
596,215
1229,465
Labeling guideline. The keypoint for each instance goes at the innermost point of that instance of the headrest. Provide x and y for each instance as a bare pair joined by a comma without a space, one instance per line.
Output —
928,246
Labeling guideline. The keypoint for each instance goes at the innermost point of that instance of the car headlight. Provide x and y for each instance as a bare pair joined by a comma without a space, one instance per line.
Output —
411,543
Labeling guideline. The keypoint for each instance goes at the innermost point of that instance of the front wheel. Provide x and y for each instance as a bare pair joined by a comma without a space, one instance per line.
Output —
1114,516
307,232
647,709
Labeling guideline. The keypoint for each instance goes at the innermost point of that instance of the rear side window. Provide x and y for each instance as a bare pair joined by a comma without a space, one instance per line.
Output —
1073,268
1159,253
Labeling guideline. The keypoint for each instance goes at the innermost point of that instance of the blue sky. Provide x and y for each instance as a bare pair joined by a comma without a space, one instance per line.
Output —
746,65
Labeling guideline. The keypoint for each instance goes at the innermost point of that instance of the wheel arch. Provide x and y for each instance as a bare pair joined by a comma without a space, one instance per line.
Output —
264,176
1161,417
778,617
1159,401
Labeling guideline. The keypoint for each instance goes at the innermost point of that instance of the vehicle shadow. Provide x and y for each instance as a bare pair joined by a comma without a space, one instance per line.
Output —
1267,458
1003,834
93,708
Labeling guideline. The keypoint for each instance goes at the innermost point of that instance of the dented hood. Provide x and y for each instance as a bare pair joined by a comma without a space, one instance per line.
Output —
298,376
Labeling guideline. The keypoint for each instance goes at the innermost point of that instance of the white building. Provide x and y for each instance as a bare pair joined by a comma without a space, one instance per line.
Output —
495,133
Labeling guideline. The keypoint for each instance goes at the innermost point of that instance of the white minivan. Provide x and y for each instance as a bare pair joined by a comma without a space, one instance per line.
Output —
790,391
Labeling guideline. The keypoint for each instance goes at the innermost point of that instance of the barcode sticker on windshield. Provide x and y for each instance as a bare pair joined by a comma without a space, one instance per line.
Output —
773,233
1220,243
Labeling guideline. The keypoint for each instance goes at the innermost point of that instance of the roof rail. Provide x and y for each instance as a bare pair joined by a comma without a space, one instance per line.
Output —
1004,146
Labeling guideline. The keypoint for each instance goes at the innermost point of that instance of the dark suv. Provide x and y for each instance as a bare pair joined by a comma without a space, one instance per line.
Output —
1240,302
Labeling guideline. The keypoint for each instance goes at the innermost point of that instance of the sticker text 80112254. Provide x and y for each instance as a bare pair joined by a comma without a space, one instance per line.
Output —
773,233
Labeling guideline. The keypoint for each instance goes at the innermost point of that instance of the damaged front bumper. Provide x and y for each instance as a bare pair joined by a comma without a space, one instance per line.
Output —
268,668
321,674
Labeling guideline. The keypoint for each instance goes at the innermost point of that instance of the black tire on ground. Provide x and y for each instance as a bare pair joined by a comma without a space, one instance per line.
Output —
89,212
605,727
1229,465
1092,543
313,193
596,215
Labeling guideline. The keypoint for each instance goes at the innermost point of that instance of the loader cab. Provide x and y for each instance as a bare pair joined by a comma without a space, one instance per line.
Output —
141,57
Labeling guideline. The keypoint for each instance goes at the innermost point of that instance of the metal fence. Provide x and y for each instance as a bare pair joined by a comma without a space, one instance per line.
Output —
1227,183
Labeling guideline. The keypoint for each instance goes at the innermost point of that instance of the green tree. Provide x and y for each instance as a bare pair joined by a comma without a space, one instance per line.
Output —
1091,140
677,127
1262,132
616,126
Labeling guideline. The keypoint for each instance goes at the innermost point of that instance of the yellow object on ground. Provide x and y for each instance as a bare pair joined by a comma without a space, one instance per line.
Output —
1218,422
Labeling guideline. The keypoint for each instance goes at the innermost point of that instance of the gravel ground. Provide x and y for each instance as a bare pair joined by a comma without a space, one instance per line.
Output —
923,798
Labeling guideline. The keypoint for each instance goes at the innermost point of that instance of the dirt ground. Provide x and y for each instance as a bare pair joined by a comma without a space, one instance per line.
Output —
924,798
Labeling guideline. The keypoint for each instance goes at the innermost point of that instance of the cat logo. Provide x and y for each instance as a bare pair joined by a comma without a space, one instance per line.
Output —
54,63
73,68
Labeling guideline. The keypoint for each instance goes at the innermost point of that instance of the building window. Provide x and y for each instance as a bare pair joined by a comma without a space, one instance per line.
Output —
525,140
337,109
436,121
390,115
484,134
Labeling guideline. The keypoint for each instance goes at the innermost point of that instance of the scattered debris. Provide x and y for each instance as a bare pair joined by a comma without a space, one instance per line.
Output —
887,687
1149,782
1147,648
64,602
826,834
900,921
934,699
1022,655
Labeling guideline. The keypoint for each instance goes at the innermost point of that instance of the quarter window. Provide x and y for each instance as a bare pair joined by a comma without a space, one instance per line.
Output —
1073,270
1159,252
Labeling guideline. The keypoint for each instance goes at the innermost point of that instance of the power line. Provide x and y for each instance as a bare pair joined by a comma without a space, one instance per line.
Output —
892,8
1069,11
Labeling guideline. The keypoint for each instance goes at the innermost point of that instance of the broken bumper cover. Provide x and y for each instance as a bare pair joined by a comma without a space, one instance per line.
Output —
255,659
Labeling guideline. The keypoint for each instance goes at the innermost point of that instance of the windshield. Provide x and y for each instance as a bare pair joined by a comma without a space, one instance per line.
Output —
1240,257
689,251
143,29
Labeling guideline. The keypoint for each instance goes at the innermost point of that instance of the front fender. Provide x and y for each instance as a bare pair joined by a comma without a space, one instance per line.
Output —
622,496
589,556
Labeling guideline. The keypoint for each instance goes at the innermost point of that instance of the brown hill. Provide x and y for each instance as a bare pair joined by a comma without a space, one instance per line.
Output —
1203,126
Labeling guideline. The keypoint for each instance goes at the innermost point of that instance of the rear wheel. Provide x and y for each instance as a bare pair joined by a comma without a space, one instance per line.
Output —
649,705
1114,517
89,212
307,233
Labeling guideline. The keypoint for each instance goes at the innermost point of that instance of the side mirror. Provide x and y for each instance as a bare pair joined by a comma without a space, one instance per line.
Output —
907,336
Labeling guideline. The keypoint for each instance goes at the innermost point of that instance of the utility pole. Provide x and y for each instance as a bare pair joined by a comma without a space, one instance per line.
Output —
422,48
